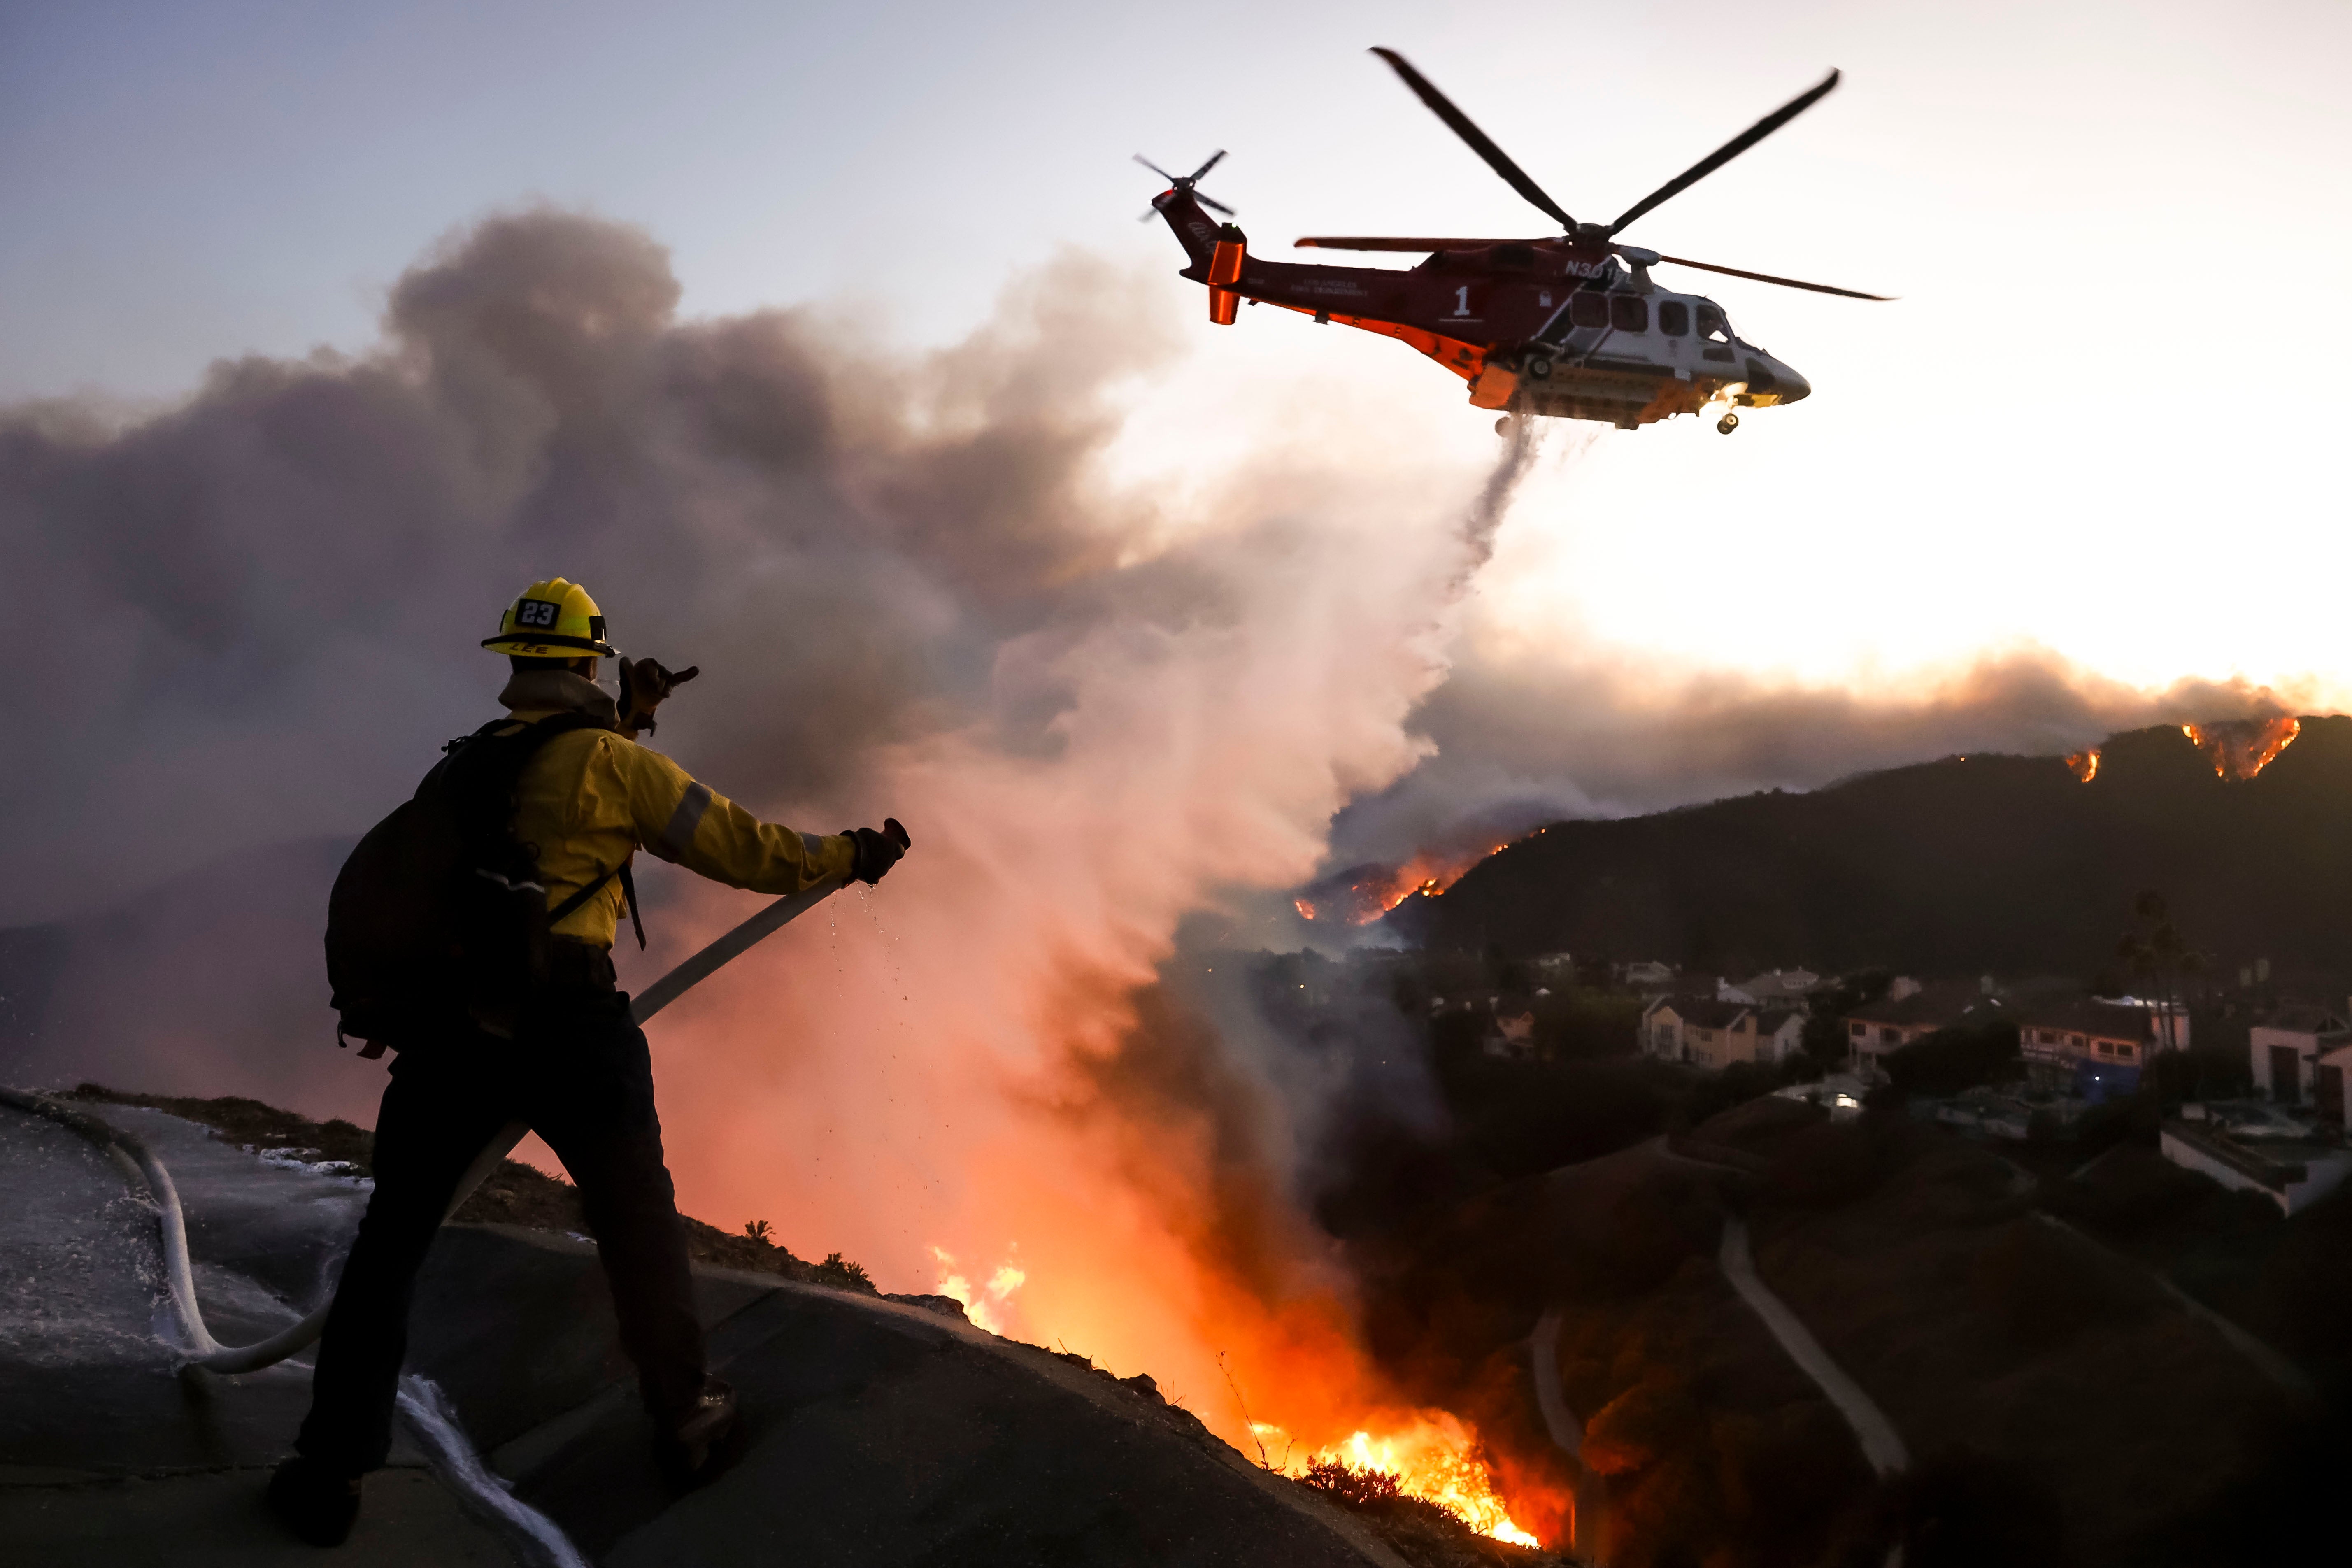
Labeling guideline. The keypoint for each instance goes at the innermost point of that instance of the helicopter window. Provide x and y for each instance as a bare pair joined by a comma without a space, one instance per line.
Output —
1712,324
1629,313
1585,309
1674,317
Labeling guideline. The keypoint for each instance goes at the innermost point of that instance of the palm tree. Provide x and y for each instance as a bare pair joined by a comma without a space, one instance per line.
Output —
2157,950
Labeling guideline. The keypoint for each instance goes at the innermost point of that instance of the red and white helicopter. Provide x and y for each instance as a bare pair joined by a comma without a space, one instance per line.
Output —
1570,327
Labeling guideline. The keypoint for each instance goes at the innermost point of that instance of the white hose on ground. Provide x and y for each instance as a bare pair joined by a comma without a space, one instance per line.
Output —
422,1402
198,1347
462,1470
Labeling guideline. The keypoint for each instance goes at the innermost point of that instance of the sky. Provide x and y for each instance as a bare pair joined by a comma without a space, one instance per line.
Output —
2099,423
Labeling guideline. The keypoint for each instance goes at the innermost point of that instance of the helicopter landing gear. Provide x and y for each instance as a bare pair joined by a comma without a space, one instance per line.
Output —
1503,425
1728,424
1538,368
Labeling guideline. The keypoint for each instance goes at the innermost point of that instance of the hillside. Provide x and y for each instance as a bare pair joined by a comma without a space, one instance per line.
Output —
2030,1340
881,1430
1969,863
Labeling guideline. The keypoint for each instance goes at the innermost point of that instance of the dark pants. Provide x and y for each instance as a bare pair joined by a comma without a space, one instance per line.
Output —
579,1074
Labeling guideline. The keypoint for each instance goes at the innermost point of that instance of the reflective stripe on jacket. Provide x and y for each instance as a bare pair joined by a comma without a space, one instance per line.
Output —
591,798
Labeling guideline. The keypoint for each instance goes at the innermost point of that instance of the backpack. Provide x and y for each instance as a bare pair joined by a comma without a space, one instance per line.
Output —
440,916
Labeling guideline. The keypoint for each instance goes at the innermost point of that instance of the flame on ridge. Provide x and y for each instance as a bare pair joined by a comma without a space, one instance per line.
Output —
2240,748
1381,888
2085,763
985,1305
1433,1456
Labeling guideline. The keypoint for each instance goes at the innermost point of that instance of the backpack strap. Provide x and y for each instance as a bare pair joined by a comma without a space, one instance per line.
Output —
534,736
562,911
629,894
629,891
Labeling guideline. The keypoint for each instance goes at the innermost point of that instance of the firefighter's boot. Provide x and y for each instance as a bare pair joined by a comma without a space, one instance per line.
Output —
316,1504
705,1441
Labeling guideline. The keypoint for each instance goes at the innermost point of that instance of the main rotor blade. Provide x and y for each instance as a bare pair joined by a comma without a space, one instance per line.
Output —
1209,164
1208,200
1155,168
1768,277
1497,159
1728,150
1374,242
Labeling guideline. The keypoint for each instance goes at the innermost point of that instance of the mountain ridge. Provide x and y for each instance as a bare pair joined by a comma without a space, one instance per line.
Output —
1964,863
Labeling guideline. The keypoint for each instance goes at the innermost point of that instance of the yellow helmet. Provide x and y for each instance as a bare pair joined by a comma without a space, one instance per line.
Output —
554,619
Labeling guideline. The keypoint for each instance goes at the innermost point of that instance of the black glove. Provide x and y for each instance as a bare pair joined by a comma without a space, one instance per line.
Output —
877,850
644,684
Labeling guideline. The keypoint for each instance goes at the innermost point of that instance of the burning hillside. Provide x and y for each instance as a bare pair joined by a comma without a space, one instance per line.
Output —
2240,748
1362,894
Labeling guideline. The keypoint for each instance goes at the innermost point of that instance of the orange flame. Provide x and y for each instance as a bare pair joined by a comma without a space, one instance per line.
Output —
2085,763
1427,873
1433,1456
2240,748
1306,910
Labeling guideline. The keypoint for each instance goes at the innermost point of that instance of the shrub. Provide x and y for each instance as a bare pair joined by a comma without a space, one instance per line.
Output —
836,1270
1359,1485
1950,1060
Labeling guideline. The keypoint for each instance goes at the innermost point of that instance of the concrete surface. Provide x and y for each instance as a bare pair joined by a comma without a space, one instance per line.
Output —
108,1453
880,1433
216,1519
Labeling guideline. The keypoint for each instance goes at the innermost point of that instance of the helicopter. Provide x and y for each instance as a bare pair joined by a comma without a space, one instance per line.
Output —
1562,327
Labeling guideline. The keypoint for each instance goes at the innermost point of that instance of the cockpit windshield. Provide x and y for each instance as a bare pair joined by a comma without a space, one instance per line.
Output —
1713,325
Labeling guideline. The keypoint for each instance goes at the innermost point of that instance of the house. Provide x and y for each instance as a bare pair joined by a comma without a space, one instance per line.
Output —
1717,1034
1780,1033
1908,1012
2096,1046
1773,988
1647,976
2299,1054
2292,1173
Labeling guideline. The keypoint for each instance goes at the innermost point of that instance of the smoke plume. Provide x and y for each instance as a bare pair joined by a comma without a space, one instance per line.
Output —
913,589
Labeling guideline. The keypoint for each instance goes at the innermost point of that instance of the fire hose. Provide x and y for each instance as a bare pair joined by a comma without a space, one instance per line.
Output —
199,1348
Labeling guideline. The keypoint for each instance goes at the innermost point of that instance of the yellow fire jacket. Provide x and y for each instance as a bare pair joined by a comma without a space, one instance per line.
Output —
591,798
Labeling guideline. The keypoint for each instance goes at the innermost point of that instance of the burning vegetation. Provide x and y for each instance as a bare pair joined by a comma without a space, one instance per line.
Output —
1433,1464
1362,894
2240,748
2085,763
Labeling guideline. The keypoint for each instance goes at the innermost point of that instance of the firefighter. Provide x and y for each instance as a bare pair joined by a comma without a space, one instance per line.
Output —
569,1061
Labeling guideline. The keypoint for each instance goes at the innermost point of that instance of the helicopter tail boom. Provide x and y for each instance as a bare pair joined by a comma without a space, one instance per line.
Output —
1194,229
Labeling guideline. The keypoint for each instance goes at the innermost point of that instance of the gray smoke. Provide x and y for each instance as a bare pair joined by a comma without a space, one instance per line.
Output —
253,617
1584,735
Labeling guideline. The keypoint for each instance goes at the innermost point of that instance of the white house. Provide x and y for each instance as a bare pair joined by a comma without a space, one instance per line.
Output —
1780,1033
2292,1174
2298,1057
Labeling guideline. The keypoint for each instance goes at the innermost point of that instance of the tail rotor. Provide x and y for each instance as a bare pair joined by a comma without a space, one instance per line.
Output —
1185,183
